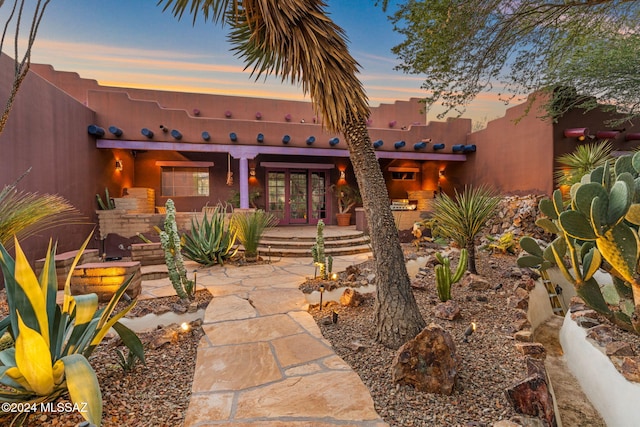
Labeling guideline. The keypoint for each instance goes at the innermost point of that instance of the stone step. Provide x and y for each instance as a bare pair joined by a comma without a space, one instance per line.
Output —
311,237
306,252
299,244
153,272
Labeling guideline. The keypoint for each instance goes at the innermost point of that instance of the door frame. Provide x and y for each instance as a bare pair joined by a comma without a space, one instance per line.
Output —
289,168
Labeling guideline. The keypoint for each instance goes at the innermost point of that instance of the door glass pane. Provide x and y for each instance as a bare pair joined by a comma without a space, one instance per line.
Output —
276,187
298,196
318,195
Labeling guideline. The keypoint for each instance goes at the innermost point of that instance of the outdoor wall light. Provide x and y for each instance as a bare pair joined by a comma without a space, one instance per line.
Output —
580,133
95,130
115,130
420,145
147,132
470,330
378,144
286,139
342,175
260,137
206,136
119,165
227,114
334,141
252,172
399,144
176,134
233,137
392,123
196,112
438,147
457,148
442,172
311,140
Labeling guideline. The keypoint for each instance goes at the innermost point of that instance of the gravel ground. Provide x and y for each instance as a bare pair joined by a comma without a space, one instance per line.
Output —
490,362
153,395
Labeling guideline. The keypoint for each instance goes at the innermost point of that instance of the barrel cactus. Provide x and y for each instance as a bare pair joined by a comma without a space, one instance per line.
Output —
598,229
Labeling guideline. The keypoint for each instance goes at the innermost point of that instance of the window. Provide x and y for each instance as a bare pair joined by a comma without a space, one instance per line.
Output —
185,181
403,176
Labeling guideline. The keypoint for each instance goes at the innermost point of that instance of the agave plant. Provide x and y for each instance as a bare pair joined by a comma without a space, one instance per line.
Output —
461,218
210,242
52,342
250,228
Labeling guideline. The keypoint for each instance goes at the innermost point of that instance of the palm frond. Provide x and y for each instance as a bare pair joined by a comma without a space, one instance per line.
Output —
295,40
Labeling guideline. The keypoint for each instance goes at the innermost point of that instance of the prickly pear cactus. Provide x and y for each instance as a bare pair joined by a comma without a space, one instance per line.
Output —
600,224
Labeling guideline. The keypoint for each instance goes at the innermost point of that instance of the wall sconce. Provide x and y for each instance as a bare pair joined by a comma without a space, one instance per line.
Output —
196,112
287,117
342,175
442,173
580,133
119,165
227,114
258,115
252,172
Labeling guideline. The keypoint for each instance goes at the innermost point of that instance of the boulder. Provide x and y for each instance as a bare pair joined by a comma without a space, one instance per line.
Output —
428,362
351,298
448,310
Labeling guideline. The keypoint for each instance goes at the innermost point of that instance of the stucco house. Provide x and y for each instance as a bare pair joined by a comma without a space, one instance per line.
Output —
81,137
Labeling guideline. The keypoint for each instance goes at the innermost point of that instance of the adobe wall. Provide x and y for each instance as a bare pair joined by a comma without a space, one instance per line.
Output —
46,130
515,155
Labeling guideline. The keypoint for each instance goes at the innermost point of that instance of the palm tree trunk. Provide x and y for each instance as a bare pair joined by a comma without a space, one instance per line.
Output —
397,316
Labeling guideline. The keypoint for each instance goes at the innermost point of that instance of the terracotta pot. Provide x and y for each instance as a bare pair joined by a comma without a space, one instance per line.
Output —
343,219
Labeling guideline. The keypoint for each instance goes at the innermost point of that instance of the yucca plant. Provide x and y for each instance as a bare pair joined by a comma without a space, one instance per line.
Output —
250,228
462,217
210,242
581,161
52,342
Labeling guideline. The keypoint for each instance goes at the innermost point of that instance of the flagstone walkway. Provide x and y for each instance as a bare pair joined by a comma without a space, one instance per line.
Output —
263,360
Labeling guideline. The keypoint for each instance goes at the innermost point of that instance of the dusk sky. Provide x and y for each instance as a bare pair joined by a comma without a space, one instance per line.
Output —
132,43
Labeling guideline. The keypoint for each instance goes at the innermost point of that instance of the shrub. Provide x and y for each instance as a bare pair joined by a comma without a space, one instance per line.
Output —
52,343
461,218
250,227
210,242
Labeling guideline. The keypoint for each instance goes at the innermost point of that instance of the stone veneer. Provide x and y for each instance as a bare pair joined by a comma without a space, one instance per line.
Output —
104,279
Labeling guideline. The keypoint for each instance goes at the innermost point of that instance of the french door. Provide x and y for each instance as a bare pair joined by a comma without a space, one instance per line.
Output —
297,196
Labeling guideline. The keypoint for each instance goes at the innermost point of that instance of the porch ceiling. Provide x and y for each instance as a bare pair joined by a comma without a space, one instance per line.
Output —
251,151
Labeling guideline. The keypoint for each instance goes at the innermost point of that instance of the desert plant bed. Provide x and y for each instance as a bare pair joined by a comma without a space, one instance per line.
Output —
157,394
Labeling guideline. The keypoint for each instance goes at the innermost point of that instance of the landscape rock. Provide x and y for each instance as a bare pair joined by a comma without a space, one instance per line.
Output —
601,334
449,310
535,350
429,362
523,336
475,282
619,348
351,298
628,366
532,396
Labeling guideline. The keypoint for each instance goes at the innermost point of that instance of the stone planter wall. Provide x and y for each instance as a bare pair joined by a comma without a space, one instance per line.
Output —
128,224
147,253
104,279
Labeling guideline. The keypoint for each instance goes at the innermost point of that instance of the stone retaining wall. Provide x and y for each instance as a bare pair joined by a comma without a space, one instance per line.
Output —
104,279
517,215
147,253
63,263
126,224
